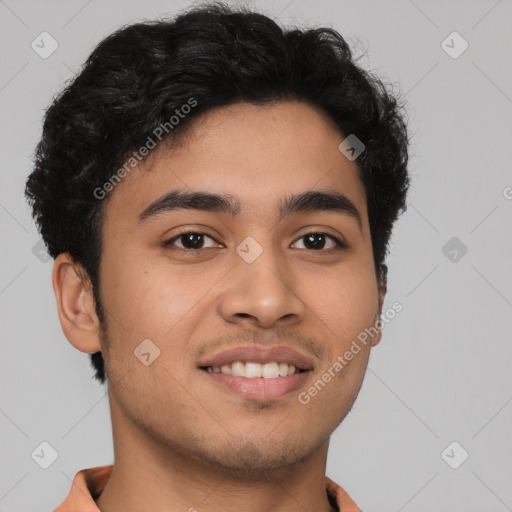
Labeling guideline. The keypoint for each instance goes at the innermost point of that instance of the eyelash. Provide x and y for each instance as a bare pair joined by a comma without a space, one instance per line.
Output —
339,244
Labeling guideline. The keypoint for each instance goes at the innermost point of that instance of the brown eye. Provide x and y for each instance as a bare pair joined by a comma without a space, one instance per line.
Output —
190,241
317,242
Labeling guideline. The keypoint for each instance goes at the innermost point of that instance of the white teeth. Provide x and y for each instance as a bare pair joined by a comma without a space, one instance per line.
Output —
225,369
251,370
237,369
270,371
283,369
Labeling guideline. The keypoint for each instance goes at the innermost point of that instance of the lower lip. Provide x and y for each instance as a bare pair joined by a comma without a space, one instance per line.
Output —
259,388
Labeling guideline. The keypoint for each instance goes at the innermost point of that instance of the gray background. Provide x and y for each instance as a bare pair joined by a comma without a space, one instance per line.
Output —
442,372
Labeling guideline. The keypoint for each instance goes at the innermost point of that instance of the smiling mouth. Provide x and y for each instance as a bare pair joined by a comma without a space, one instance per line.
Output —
253,370
258,372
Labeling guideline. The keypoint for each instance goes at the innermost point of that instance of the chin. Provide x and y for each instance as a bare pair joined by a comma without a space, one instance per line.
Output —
249,458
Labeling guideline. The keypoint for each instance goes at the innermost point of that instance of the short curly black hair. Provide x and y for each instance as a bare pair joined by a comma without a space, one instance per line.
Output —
137,78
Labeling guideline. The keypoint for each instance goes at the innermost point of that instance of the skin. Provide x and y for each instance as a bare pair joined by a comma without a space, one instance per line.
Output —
179,440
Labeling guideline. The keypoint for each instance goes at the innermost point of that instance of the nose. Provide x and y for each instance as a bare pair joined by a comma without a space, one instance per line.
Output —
262,294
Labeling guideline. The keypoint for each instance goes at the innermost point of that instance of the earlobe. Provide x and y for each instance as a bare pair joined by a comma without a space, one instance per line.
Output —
376,339
75,304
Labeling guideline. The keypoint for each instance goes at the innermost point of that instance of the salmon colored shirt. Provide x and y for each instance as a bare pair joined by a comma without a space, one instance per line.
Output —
89,483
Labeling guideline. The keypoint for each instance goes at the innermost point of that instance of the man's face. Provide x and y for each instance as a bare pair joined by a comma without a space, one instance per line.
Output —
200,296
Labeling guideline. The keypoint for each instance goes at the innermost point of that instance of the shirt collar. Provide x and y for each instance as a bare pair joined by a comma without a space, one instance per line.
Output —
89,483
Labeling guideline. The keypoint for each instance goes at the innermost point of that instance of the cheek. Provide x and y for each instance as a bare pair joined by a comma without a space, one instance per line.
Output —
345,309
345,302
146,296
149,299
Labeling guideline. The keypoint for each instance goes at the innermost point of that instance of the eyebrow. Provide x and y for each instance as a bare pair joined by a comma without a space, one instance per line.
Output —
310,200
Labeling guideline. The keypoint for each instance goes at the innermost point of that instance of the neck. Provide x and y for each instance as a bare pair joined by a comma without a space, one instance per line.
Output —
150,475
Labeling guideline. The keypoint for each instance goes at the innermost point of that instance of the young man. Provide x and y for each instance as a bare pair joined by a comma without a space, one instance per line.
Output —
218,196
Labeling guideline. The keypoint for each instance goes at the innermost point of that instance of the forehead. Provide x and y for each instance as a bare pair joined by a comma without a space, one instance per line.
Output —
255,153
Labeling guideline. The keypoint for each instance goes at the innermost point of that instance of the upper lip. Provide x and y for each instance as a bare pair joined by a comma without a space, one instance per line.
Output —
258,354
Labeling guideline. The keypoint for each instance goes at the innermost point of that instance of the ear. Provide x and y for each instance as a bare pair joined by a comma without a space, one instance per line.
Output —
382,280
75,304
